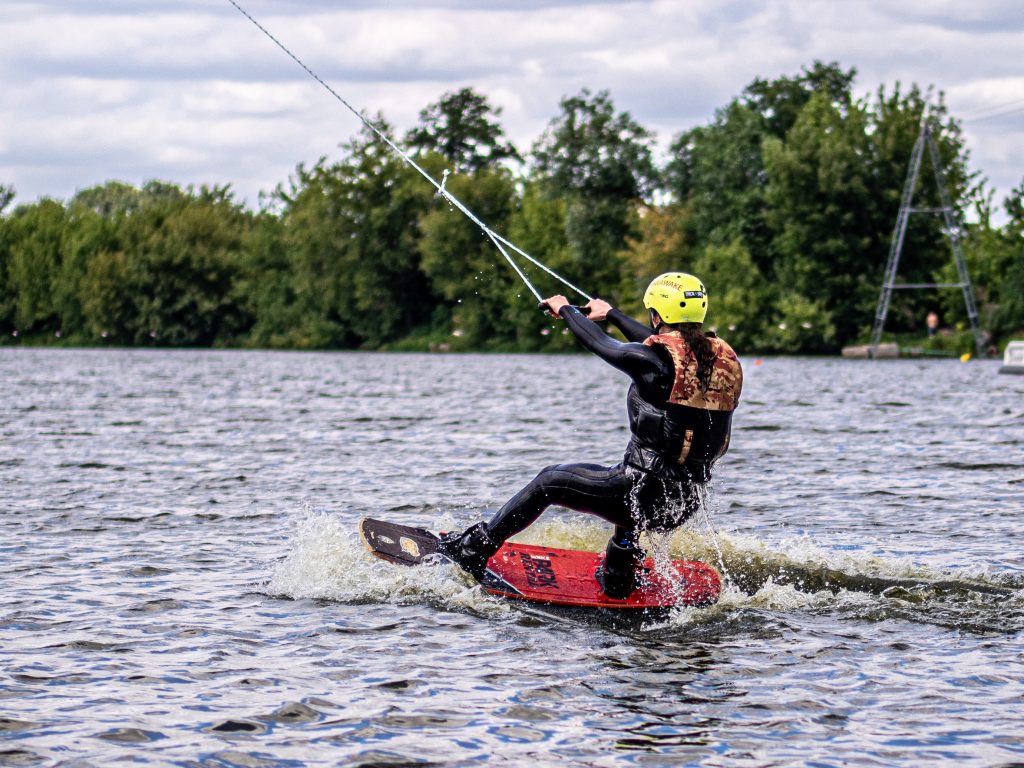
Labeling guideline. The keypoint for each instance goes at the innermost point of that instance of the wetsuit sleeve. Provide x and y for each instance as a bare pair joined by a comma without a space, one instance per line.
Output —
631,329
649,369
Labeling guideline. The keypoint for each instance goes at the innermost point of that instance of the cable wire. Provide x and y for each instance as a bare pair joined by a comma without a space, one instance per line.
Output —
994,115
981,113
499,241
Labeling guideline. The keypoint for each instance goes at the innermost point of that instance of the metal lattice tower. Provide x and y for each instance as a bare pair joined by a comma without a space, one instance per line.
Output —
952,230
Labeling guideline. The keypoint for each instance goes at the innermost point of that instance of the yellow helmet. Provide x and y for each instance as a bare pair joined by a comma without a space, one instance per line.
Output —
678,298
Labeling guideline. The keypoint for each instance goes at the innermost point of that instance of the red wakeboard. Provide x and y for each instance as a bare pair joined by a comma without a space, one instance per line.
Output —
550,575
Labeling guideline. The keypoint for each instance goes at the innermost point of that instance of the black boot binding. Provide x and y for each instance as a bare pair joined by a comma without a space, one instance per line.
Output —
470,549
622,560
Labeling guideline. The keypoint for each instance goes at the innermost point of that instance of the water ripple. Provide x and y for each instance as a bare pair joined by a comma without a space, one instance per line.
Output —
182,582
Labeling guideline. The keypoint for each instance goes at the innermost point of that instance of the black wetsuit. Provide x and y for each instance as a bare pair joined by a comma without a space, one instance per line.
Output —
641,492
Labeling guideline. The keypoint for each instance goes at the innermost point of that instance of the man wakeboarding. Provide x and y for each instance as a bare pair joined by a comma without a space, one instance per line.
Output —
685,386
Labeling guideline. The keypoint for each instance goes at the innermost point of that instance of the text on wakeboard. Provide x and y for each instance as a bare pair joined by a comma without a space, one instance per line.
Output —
538,571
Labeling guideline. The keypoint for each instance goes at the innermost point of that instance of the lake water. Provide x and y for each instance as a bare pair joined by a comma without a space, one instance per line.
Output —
181,584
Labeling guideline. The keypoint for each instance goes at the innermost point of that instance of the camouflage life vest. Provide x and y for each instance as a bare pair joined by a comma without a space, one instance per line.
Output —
723,392
691,428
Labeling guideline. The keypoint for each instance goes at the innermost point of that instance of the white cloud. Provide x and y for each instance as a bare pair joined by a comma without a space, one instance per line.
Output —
190,91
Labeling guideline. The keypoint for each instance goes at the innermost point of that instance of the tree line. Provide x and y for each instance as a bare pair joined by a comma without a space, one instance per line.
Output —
784,204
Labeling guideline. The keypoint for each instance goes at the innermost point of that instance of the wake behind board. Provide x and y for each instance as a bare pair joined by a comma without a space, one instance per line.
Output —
550,575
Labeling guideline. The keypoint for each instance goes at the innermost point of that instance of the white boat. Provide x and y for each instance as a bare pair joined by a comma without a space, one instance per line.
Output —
1013,358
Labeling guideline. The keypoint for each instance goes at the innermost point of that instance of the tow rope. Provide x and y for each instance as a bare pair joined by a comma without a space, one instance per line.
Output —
500,242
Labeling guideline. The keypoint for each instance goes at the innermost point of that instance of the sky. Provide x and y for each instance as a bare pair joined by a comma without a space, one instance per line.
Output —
191,92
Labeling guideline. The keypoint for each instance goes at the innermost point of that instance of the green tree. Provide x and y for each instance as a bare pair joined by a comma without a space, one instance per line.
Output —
1008,317
779,102
86,234
716,174
739,297
35,254
717,171
189,263
595,152
109,298
600,162
299,281
385,200
819,187
170,280
351,230
464,266
537,226
661,244
265,286
463,128
995,261
113,198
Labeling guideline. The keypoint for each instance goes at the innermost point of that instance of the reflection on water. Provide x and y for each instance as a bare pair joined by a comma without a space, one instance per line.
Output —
182,582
